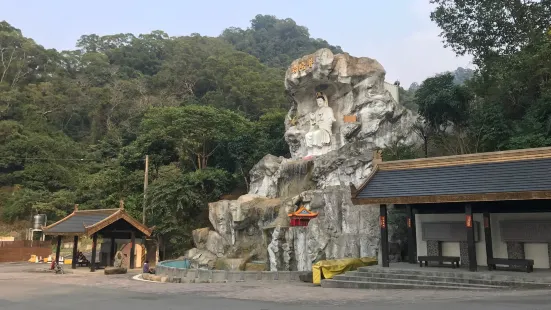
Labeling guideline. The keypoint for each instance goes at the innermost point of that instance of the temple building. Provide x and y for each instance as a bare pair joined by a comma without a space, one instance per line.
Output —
485,209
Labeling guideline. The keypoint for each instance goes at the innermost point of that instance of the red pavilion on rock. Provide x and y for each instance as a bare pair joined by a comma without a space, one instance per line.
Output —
301,217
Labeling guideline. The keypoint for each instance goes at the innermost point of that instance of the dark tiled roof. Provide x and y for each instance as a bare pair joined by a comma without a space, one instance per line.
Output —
75,223
480,178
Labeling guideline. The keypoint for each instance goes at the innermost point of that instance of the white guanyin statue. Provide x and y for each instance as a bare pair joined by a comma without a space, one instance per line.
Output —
318,138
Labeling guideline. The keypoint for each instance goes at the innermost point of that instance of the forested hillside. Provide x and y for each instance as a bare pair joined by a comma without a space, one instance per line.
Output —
276,42
75,126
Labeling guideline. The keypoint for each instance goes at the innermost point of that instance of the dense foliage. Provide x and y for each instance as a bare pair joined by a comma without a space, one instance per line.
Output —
75,126
506,103
490,28
276,42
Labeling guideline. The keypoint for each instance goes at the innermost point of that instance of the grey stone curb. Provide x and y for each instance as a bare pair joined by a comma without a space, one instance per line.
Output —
223,276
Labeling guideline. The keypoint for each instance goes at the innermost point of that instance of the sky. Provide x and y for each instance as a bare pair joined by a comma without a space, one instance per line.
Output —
398,33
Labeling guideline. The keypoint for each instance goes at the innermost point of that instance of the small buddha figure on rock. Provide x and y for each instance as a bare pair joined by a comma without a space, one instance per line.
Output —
318,138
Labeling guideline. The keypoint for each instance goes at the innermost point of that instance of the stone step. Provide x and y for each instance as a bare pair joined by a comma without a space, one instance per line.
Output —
422,271
513,277
395,285
447,279
420,282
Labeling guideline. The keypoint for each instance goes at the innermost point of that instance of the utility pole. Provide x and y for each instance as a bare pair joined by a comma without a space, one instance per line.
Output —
145,187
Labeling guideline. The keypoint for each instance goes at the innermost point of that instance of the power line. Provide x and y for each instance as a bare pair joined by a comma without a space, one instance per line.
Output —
44,158
56,159
102,160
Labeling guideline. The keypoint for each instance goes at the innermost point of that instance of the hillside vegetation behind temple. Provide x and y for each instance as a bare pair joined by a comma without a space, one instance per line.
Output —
75,126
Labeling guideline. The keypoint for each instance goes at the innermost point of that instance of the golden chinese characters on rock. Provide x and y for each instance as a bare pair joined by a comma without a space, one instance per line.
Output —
303,65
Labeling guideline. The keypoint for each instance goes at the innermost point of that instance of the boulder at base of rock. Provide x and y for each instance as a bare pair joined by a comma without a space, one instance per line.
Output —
114,270
201,258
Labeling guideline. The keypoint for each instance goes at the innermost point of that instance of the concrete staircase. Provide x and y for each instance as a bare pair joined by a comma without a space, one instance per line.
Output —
389,278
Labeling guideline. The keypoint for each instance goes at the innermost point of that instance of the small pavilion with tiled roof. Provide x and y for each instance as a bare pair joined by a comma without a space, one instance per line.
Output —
483,209
108,223
302,216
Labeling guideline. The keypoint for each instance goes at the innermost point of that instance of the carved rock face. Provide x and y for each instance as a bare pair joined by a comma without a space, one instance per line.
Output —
355,90
262,176
366,117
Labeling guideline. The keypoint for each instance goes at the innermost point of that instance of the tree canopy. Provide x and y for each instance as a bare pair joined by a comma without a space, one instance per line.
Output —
275,42
506,102
75,125
488,28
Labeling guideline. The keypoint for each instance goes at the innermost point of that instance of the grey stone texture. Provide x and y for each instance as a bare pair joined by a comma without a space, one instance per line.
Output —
515,250
256,225
434,248
464,253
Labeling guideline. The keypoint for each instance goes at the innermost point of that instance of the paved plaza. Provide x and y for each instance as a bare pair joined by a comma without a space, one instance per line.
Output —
21,287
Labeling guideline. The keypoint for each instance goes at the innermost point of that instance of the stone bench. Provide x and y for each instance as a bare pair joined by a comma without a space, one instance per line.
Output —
527,264
454,260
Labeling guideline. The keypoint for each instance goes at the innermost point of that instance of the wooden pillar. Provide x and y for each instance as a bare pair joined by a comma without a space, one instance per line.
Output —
488,239
132,249
471,246
94,245
112,252
384,235
75,253
58,249
412,236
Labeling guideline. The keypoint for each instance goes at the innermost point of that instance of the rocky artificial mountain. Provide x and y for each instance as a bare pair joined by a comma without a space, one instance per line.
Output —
340,113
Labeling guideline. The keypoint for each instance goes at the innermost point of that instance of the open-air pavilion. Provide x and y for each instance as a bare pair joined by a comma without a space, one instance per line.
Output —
482,209
108,223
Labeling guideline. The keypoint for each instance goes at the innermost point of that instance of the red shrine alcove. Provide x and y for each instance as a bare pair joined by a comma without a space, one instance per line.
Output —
301,217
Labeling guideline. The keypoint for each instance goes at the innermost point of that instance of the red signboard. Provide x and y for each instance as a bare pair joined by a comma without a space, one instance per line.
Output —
486,222
382,221
469,221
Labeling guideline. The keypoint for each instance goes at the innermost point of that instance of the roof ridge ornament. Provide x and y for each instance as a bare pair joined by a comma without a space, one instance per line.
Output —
121,204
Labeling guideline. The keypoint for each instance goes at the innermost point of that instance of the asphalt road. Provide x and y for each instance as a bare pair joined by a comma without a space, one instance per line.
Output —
83,291
82,298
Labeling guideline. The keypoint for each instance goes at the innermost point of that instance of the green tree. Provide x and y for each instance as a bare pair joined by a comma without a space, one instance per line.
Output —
194,131
442,102
276,42
76,125
486,28
177,203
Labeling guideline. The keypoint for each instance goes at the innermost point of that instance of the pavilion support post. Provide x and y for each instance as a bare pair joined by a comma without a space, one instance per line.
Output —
132,249
471,246
112,252
75,253
58,249
488,239
384,236
412,237
94,245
